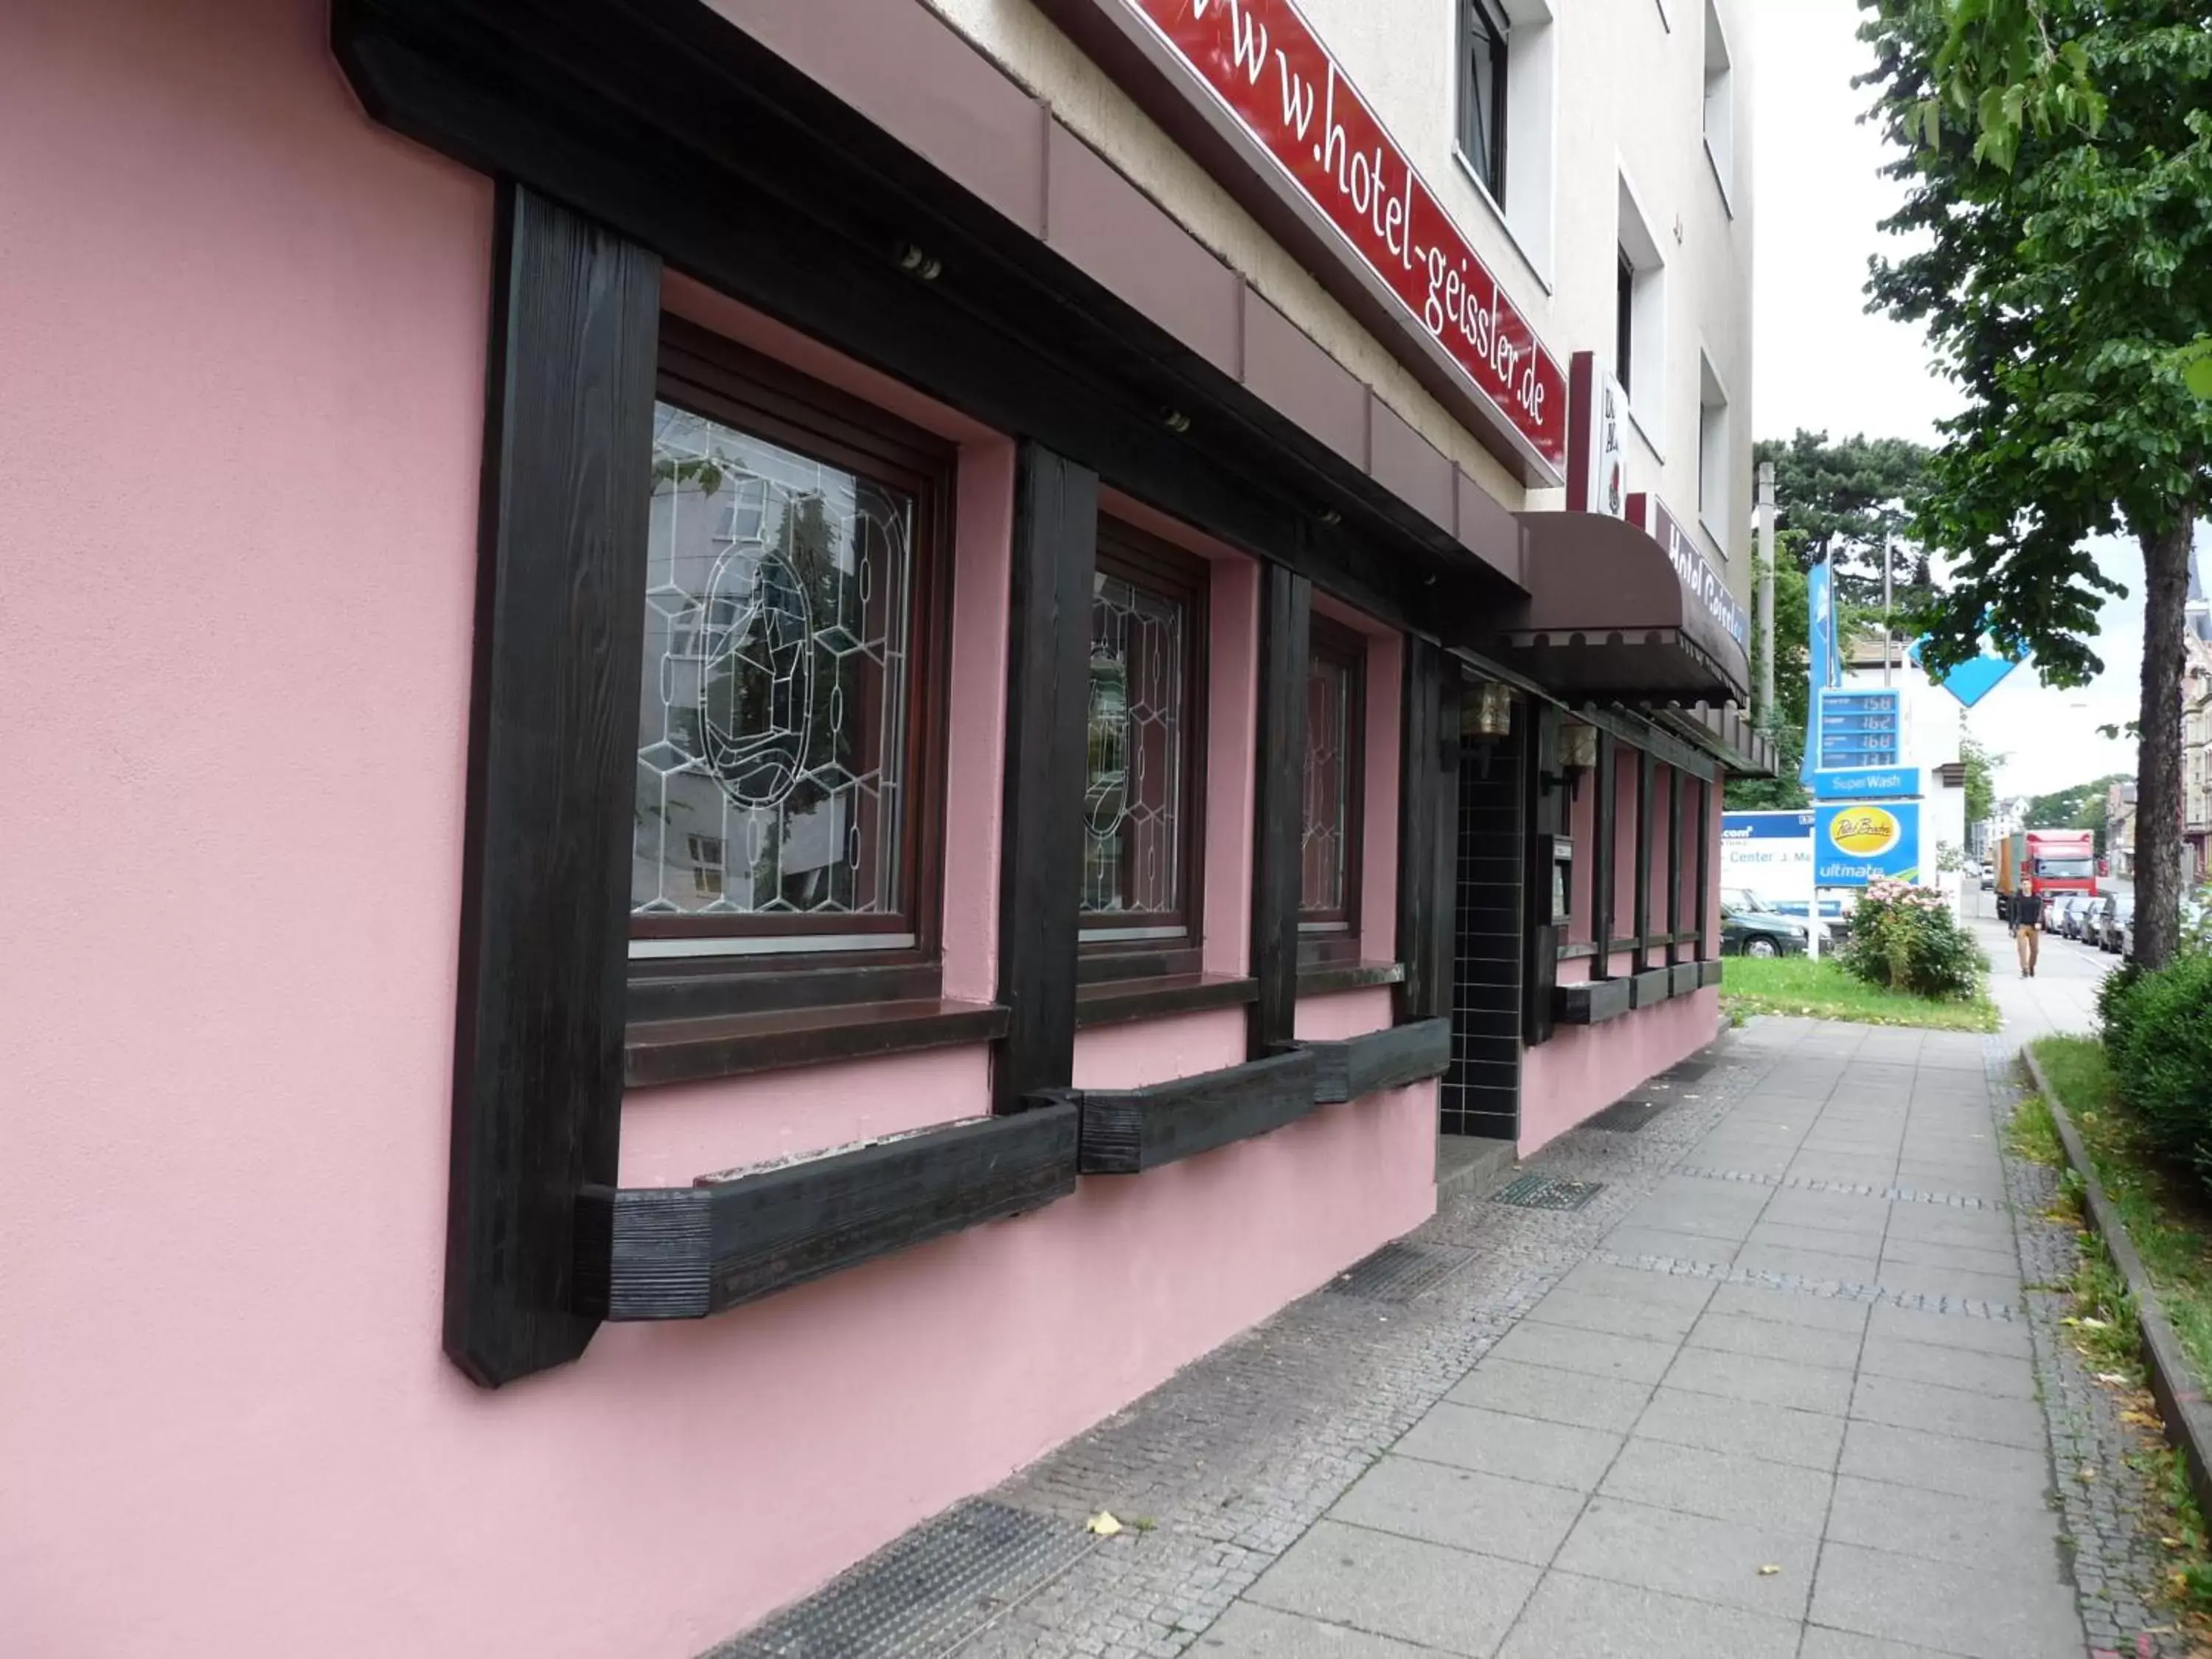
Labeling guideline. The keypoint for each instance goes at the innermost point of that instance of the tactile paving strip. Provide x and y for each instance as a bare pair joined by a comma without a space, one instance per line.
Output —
924,1593
1535,1191
1398,1273
1627,1117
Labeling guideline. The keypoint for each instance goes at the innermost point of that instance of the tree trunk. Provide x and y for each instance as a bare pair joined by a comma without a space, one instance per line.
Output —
2158,757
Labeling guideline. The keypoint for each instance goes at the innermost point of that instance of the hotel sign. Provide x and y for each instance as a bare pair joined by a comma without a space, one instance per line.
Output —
1704,587
1259,62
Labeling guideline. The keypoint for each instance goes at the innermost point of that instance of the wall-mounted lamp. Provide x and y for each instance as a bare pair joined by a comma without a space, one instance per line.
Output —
1577,754
1486,711
916,261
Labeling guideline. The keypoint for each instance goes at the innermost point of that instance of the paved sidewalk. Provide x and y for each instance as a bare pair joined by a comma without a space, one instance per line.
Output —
2062,995
1787,1411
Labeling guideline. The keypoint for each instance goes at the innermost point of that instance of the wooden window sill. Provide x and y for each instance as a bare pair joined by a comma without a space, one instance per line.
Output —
733,1045
1320,978
1111,1002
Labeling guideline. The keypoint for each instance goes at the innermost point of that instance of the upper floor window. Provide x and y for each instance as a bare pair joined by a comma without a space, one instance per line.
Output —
1142,842
1720,105
1329,884
787,739
1716,469
1639,296
1485,67
1624,320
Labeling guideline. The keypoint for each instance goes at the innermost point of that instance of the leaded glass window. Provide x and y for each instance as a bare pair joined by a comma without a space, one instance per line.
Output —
1329,840
777,707
1139,818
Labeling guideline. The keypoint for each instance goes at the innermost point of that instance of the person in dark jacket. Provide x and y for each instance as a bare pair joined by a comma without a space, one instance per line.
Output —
2028,927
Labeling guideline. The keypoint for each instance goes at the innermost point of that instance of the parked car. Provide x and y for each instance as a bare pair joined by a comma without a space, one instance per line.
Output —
2075,918
2059,913
1988,875
1750,928
2119,911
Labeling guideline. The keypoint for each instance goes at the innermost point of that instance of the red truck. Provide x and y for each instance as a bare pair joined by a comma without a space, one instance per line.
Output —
2056,860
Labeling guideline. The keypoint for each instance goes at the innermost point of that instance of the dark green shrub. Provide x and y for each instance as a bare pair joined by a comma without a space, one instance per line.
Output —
1904,938
2162,1064
2115,1005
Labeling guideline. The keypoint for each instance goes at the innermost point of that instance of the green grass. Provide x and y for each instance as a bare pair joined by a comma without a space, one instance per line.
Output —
2165,1210
1797,985
2033,1134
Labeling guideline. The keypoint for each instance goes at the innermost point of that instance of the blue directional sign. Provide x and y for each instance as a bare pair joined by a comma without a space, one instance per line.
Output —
1975,678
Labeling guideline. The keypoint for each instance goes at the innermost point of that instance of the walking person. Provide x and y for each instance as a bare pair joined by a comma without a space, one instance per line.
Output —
2028,927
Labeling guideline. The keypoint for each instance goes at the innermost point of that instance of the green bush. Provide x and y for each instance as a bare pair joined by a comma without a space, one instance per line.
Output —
1906,938
2115,1005
2158,1036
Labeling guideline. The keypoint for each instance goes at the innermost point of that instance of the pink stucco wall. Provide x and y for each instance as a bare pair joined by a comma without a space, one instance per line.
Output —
238,477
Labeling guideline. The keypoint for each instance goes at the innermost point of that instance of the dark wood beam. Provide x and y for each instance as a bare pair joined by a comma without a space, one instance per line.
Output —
1678,785
1704,925
686,1252
1047,705
1285,615
1359,1066
1126,1131
1645,771
1428,824
561,556
1602,856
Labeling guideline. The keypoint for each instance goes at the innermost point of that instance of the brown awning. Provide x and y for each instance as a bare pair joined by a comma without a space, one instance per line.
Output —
1613,610
1725,732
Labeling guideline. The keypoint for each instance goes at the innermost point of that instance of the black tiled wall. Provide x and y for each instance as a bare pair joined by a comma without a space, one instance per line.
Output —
1482,1091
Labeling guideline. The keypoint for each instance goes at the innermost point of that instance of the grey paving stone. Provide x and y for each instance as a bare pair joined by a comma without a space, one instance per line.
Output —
1556,1396
1948,1331
1723,1485
1952,1368
1791,1236
1904,1404
1576,1618
1594,1353
1656,1322
1808,1439
2001,1288
1246,1630
1937,1604
1790,1308
1601,1278
1939,1463
1820,1644
1939,1224
1924,1253
1671,1246
1524,1447
1842,1167
1831,1212
1445,1599
1770,1382
1691,1555
1518,1520
1818,1265
1998,1539
1685,1215
1769,1339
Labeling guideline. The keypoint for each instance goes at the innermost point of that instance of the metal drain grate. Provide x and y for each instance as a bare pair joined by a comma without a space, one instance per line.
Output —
1544,1192
922,1594
1627,1117
1397,1272
1687,1071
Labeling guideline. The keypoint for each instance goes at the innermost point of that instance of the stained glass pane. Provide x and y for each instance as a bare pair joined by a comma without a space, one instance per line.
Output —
1133,790
1328,786
773,719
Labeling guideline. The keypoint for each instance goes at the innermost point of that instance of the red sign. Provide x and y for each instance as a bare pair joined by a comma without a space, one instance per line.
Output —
1264,63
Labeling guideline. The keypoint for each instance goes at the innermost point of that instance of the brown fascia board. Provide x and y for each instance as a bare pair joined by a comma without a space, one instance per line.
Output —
935,92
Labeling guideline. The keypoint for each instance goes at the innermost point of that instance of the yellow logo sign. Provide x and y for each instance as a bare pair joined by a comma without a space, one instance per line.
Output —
1865,831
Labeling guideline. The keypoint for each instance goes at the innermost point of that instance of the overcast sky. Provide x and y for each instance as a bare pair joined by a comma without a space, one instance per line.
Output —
1822,363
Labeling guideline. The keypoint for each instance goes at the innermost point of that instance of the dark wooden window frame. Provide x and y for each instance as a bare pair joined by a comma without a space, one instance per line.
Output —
1662,928
1487,19
1624,320
710,375
1331,936
1149,563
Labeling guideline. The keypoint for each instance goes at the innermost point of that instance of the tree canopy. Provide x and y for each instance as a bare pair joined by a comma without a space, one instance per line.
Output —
1844,497
1792,683
2058,160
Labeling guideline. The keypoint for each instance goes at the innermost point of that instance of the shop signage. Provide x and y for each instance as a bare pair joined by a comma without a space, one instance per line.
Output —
1704,587
1262,63
1597,475
1769,854
1857,844
1867,783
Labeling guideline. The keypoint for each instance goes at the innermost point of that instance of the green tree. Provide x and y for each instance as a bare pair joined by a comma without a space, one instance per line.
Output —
1846,498
2081,807
1981,778
2059,166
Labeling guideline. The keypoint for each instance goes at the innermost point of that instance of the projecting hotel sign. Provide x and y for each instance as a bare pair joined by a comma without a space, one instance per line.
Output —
1703,586
1260,65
